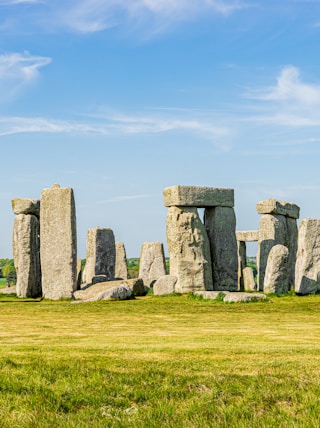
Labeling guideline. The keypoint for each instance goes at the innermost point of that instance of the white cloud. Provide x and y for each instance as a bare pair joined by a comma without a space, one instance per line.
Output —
290,88
18,70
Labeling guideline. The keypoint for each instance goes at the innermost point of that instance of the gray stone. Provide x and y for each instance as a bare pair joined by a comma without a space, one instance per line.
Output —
58,243
79,273
26,206
248,279
212,295
164,285
247,235
189,250
292,244
9,290
244,297
121,269
99,278
242,263
119,292
307,275
152,262
196,196
277,276
273,206
26,255
90,291
100,254
272,231
220,223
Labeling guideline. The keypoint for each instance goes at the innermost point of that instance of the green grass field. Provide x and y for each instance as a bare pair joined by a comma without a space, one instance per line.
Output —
160,362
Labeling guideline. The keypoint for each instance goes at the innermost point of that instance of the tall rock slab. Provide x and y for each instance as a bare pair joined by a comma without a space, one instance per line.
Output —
100,254
152,262
307,274
121,268
277,275
189,250
220,223
58,242
26,247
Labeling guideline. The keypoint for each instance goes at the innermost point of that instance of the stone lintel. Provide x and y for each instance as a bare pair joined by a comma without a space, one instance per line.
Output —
26,206
247,236
197,196
274,206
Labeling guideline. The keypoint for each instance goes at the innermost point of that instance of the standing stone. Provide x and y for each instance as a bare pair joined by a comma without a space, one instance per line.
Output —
272,231
220,223
307,274
242,263
121,269
189,250
58,242
248,279
100,254
152,262
292,244
79,273
277,275
26,255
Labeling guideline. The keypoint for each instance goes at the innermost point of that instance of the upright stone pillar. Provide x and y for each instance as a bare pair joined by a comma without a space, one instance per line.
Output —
307,273
245,277
152,262
26,247
121,268
189,250
100,254
58,243
277,226
277,274
220,223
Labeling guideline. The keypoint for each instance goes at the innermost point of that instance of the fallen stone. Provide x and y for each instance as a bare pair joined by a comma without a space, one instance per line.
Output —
99,278
211,294
196,196
244,297
277,277
273,206
119,292
26,206
164,285
90,290
8,290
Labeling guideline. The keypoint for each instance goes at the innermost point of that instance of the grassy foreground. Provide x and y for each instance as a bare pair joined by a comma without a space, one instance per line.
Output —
160,362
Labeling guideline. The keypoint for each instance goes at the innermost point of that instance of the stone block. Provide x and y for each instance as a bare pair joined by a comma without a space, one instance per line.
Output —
248,279
307,274
196,196
274,206
121,269
189,250
152,262
220,223
247,235
58,242
26,206
277,276
165,285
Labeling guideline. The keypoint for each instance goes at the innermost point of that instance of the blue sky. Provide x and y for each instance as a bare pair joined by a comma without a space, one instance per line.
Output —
121,98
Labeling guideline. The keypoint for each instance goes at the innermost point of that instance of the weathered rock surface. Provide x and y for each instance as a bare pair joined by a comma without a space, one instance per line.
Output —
26,255
152,262
9,290
277,276
242,263
120,292
164,285
272,231
197,196
121,270
220,223
307,275
58,242
248,279
247,235
273,206
292,244
26,206
189,250
90,291
79,273
232,297
100,254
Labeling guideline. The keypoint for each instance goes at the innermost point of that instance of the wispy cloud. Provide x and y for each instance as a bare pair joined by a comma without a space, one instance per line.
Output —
89,16
17,70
